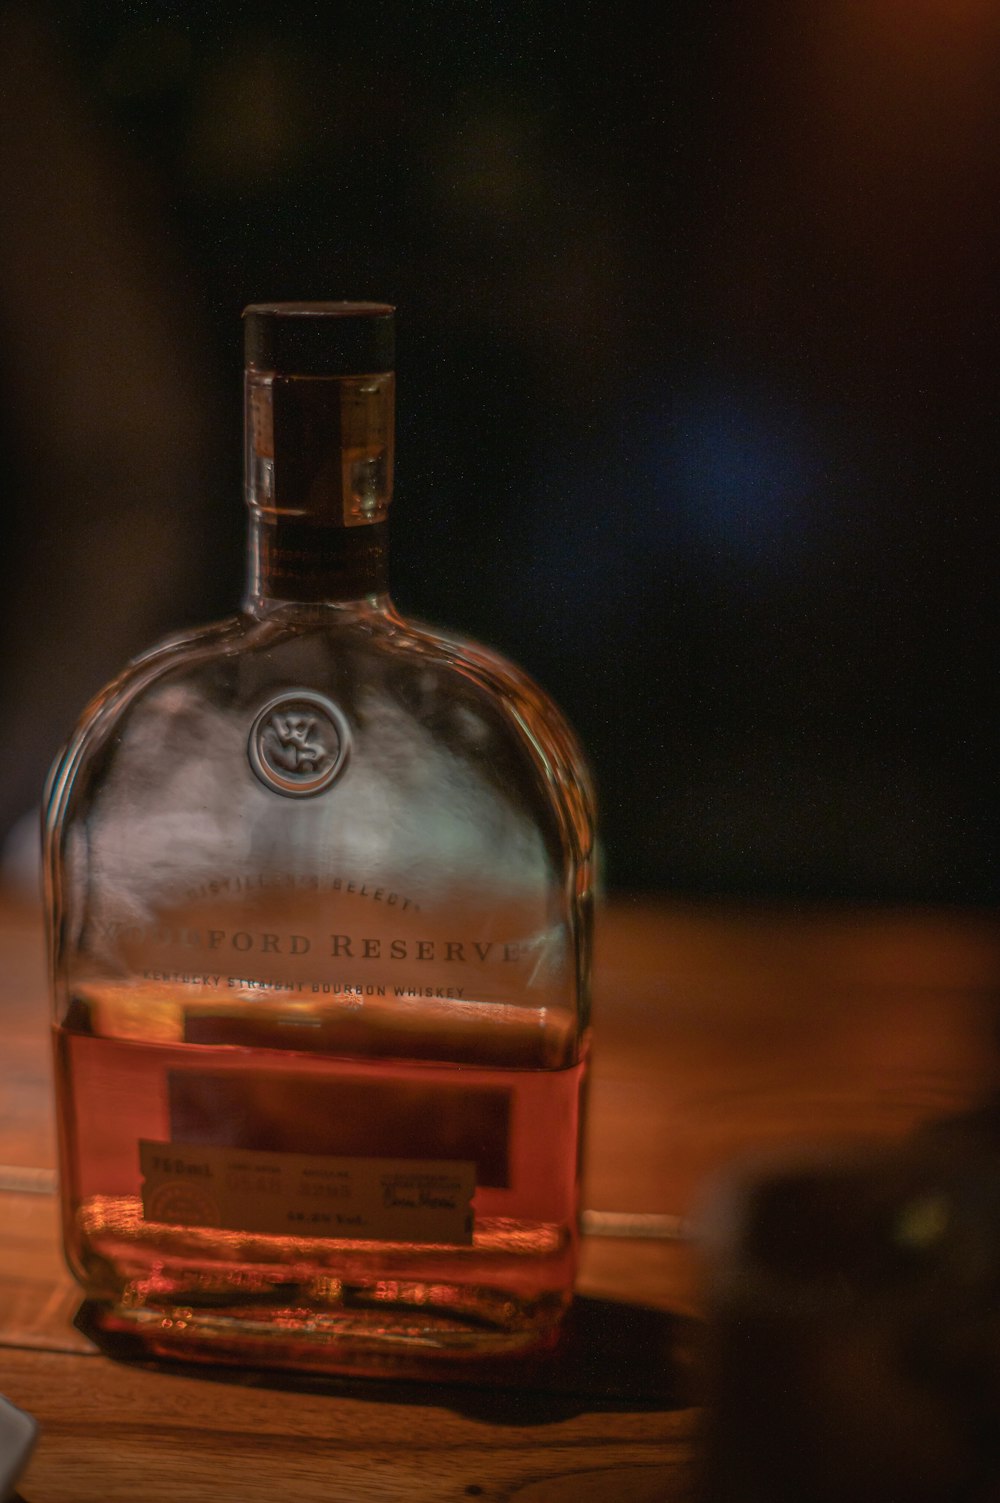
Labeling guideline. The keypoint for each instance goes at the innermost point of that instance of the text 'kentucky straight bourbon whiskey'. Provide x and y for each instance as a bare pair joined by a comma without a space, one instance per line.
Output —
319,888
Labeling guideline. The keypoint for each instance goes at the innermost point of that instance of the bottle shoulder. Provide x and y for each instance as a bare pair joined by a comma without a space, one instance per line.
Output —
100,715
421,706
531,711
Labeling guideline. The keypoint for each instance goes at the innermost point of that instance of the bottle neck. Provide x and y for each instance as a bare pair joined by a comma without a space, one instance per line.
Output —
319,460
290,559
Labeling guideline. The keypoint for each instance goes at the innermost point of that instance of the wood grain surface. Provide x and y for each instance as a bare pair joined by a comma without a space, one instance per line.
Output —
717,1032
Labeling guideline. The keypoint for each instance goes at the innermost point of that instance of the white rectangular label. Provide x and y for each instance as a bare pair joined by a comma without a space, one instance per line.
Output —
308,1195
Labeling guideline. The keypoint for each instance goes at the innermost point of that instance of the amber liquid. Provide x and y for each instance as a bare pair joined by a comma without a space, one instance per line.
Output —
310,1301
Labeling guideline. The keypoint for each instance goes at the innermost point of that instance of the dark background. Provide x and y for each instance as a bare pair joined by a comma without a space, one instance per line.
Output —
697,382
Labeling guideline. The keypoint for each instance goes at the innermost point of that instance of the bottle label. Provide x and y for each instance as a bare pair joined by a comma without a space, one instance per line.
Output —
298,743
308,1195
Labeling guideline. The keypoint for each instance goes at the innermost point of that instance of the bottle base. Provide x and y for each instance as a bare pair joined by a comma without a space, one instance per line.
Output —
437,1334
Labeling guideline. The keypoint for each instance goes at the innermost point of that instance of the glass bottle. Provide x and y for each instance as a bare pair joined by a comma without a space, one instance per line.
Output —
319,899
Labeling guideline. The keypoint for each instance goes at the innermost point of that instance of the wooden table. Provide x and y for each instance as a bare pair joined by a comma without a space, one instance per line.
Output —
717,1030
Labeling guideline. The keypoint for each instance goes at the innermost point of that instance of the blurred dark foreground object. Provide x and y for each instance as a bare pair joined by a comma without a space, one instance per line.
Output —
18,1433
854,1308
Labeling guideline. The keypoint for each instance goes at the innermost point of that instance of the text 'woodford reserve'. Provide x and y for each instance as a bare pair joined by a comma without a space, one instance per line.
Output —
336,946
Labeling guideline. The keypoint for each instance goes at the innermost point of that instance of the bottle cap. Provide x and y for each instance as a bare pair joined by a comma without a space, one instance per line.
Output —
319,339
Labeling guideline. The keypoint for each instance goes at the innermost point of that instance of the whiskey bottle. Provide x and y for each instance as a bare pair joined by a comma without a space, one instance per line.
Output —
319,901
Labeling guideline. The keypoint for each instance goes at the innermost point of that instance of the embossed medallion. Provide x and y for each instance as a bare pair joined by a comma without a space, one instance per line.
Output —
298,743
